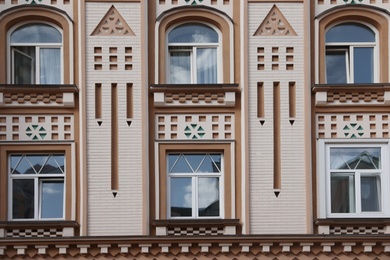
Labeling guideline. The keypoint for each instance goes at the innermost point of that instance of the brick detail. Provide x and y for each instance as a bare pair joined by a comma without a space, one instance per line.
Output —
52,232
198,231
352,230
355,96
33,98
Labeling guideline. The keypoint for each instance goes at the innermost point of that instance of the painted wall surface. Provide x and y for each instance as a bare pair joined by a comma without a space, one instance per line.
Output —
276,60
116,60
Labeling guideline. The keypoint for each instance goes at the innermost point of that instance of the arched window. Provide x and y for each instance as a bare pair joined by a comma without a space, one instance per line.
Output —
350,54
193,54
36,54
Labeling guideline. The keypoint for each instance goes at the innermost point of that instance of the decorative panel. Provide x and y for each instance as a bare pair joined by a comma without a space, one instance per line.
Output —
36,128
353,126
195,127
225,6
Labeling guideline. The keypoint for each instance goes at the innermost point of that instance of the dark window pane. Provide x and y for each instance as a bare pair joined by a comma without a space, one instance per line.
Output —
193,33
208,197
336,67
370,193
52,199
23,65
181,197
22,199
350,32
36,33
363,65
342,194
54,164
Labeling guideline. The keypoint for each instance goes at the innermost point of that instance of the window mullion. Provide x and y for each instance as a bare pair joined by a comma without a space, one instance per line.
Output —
37,196
195,197
349,64
193,65
37,66
358,200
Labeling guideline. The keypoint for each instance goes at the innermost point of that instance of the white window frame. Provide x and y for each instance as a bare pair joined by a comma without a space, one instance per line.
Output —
324,178
38,46
193,50
39,179
194,181
349,47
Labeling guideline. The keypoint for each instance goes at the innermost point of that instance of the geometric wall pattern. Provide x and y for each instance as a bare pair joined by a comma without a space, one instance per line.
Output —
352,125
275,24
195,127
113,24
113,58
275,58
36,128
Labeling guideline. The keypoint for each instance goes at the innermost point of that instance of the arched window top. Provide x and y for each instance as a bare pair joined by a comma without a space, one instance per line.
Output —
350,32
193,33
36,33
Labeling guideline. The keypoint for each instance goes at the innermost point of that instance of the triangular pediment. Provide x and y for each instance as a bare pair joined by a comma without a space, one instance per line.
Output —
275,24
113,24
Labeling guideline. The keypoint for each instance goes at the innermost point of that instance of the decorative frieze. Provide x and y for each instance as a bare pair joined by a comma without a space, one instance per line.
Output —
352,125
195,127
36,127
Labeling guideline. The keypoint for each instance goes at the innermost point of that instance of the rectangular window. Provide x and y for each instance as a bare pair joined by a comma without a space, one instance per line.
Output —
356,180
195,185
37,186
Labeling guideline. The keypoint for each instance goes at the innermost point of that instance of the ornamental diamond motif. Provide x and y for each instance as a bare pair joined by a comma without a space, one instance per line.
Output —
33,2
194,2
36,132
353,130
194,131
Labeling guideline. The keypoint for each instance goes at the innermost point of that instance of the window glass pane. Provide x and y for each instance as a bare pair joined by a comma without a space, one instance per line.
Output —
22,199
208,196
37,161
36,33
363,65
180,67
350,32
52,199
336,67
208,165
54,164
355,158
206,63
179,165
22,165
342,193
23,64
193,33
50,66
370,193
181,197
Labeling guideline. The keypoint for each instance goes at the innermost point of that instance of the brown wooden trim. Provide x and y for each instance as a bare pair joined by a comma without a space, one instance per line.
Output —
5,150
189,88
98,100
129,100
260,100
292,100
165,148
37,224
277,138
60,88
344,222
114,139
196,222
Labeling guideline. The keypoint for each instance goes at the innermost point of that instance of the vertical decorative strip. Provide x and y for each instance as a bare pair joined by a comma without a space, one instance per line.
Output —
98,100
292,100
260,100
129,100
277,150
114,139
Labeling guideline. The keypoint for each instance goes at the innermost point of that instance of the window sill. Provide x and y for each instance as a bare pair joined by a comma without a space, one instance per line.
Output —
39,228
351,94
61,95
196,227
209,95
349,226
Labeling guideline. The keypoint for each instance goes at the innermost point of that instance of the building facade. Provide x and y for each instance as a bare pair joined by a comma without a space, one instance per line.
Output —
194,129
